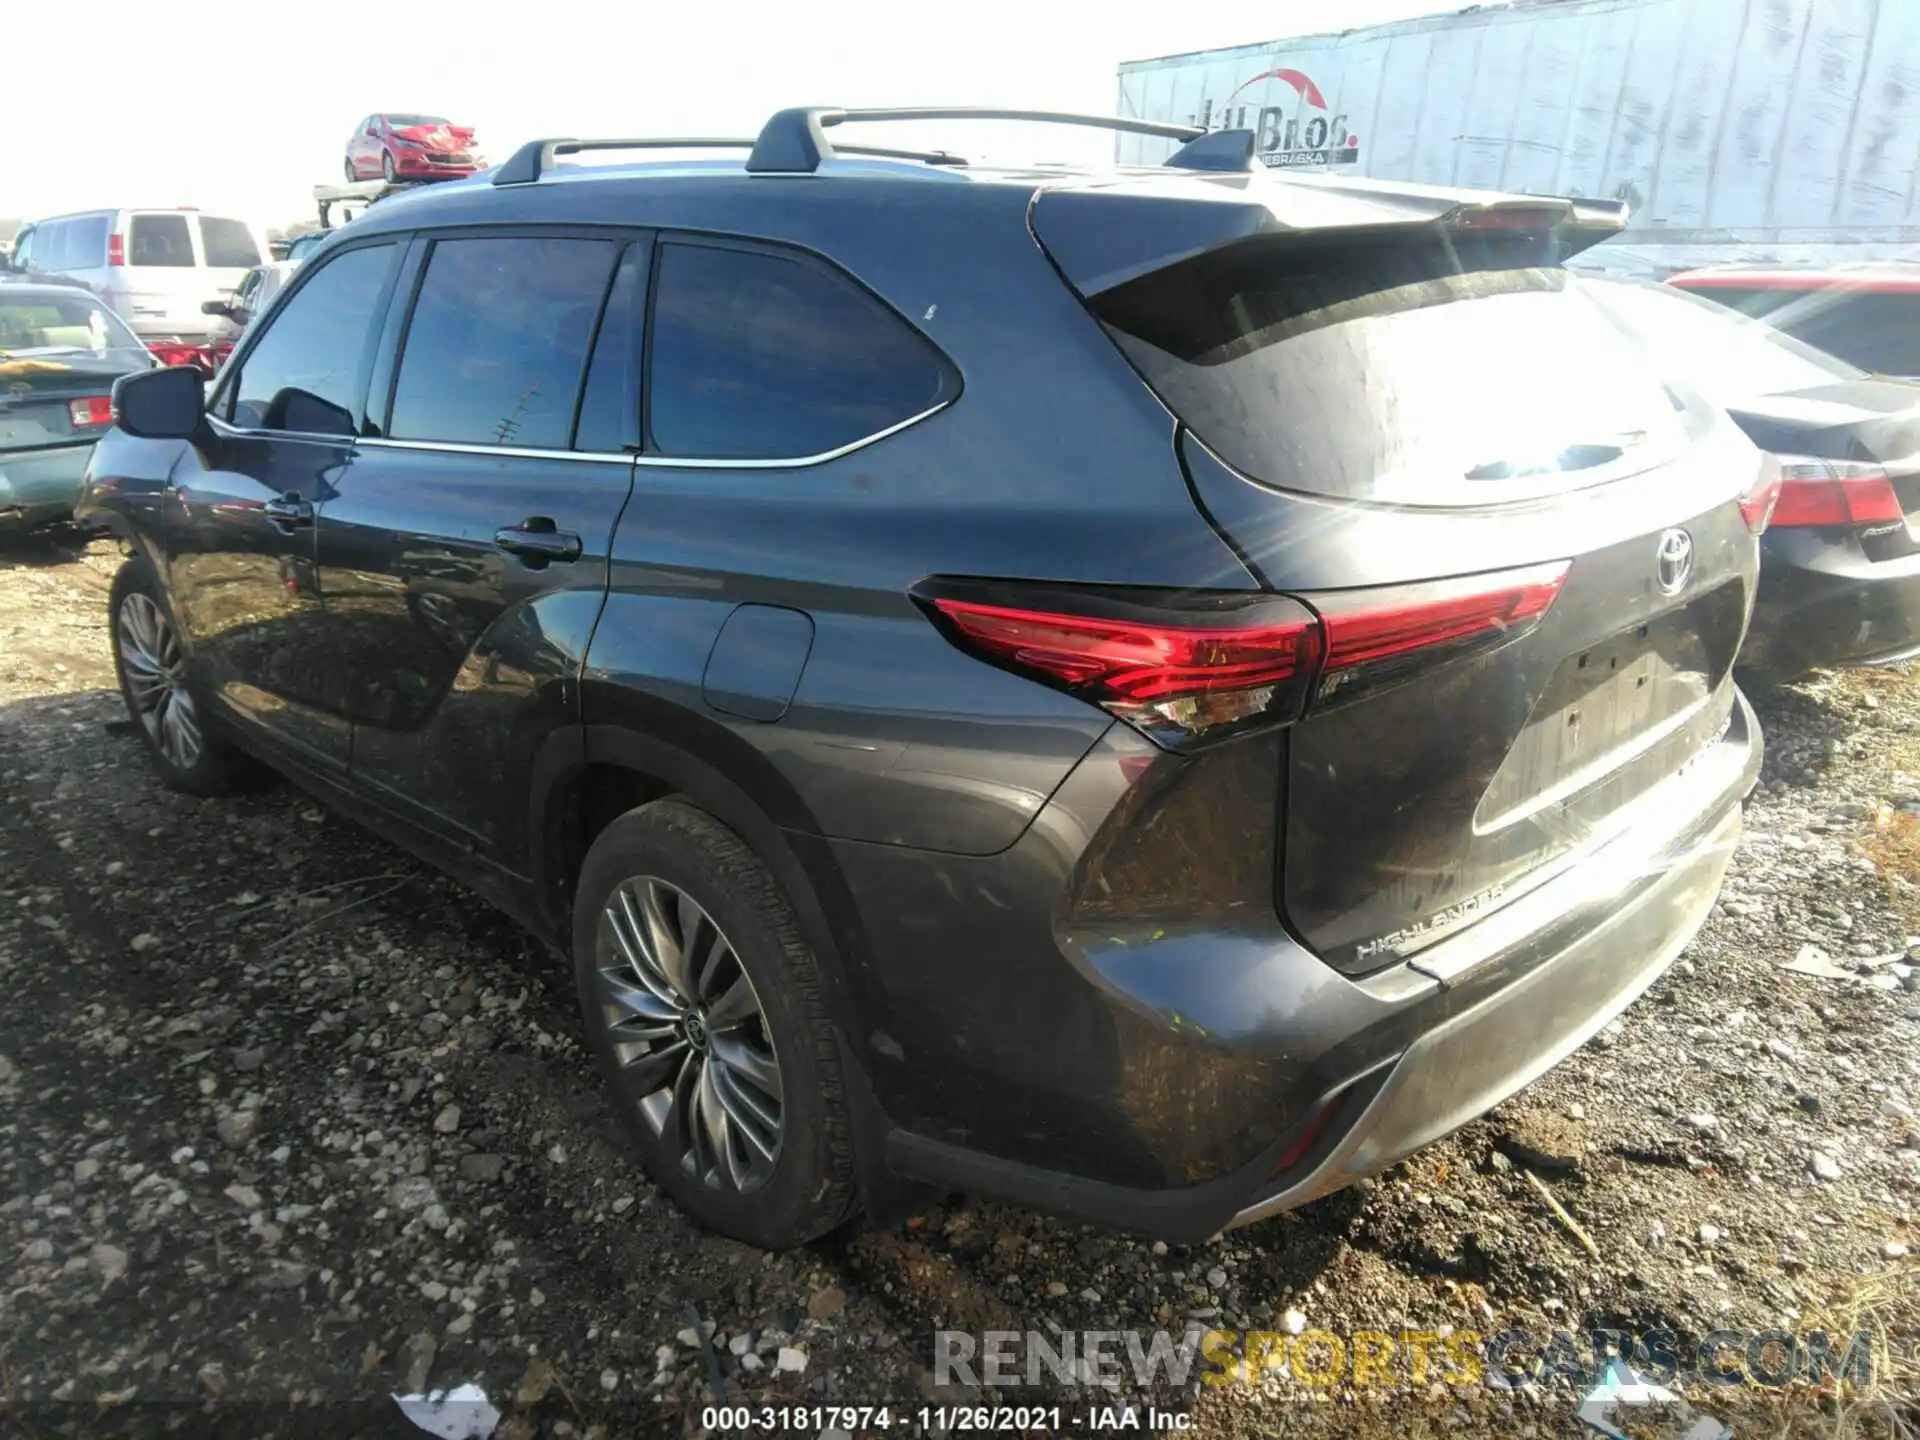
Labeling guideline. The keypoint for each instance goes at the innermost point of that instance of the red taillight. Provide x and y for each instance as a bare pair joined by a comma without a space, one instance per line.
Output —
1185,667
90,410
1177,672
1371,634
1367,633
1835,493
116,249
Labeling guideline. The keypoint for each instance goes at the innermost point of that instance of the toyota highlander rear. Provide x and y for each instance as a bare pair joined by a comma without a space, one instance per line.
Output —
1375,849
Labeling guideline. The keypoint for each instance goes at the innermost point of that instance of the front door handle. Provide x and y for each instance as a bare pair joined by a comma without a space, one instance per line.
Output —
538,542
288,510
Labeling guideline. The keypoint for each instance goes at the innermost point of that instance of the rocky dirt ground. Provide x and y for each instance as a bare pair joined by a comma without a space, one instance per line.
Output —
289,1124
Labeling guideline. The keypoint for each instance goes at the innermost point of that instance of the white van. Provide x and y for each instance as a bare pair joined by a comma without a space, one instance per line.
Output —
153,268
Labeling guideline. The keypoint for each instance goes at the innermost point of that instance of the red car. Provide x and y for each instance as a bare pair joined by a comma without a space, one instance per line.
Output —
410,147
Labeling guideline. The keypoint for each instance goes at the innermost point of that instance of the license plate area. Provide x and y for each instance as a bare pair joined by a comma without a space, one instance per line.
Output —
1611,702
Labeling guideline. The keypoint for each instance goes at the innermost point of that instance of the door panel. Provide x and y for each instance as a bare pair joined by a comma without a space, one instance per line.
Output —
242,513
459,657
243,584
463,561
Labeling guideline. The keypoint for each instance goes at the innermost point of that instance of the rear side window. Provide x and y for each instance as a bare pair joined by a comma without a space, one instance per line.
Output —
304,373
50,243
498,341
86,242
762,356
228,243
159,240
1376,367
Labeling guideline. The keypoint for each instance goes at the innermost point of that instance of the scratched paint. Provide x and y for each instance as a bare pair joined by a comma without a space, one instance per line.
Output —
1756,129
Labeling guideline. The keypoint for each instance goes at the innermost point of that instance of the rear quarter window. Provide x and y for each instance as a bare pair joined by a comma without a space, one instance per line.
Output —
768,356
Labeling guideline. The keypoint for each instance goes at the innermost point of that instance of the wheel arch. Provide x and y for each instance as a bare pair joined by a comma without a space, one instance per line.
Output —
642,748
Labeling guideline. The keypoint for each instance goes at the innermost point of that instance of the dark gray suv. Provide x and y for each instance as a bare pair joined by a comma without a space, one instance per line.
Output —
1152,695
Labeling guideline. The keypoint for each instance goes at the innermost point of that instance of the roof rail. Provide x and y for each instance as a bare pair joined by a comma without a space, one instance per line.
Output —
794,142
536,157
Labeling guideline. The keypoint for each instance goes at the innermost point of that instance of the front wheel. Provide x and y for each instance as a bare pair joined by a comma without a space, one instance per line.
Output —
386,166
706,1011
152,665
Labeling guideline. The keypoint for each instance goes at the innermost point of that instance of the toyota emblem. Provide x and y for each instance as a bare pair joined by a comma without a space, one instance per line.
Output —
1673,561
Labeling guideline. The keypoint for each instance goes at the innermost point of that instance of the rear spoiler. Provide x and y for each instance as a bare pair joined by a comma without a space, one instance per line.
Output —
1103,237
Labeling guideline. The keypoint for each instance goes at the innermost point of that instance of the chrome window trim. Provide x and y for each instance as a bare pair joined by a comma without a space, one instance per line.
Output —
596,457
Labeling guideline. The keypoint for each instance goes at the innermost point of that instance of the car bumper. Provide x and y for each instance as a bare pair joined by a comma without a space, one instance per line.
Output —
1819,606
1251,1067
419,166
38,487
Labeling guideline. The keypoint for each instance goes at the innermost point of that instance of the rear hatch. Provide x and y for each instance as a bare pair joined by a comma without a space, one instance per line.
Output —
1526,551
59,357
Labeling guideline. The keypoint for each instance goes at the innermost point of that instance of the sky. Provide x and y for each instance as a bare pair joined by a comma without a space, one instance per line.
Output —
245,108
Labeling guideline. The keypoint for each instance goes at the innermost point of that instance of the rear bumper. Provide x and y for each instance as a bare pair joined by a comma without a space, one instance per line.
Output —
1262,1042
38,487
1847,611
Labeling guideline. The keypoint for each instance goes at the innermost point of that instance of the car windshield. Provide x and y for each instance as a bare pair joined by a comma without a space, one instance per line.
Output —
36,326
1727,357
415,120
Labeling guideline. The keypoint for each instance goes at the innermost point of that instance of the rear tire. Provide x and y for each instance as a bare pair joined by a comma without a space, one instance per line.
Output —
706,1012
152,665
353,172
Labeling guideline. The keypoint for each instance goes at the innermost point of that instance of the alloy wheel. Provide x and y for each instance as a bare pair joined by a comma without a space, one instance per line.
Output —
153,666
687,1027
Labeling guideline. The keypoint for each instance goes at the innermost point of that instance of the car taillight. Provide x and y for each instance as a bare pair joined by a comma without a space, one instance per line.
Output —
1817,492
116,249
90,410
1183,667
1380,637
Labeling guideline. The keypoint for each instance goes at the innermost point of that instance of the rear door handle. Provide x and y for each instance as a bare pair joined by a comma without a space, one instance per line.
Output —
538,542
289,510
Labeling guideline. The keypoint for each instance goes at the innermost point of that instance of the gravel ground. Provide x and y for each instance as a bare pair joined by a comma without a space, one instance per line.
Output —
289,1123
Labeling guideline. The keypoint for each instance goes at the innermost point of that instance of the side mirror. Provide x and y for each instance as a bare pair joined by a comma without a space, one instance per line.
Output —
216,307
165,404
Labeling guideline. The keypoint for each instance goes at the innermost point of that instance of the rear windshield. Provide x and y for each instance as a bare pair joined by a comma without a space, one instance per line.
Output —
228,243
60,325
1727,358
1385,366
159,240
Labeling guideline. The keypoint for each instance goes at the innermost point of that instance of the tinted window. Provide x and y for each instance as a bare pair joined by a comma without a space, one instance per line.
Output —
1403,369
607,406
49,245
227,243
498,340
304,373
86,242
1877,330
1727,357
159,240
758,356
